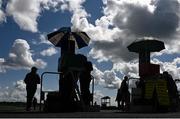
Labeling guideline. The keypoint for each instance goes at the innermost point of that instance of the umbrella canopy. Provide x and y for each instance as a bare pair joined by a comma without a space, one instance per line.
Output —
61,37
146,46
106,97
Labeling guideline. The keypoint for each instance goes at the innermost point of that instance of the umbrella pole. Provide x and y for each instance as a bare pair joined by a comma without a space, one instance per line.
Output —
71,46
59,68
144,57
70,49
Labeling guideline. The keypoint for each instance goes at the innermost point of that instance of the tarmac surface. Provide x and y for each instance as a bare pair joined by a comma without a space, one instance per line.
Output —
101,114
17,111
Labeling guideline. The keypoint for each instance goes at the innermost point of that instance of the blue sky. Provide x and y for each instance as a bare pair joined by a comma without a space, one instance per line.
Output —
111,24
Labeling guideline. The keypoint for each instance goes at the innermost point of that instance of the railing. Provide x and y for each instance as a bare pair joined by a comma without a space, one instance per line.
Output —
42,92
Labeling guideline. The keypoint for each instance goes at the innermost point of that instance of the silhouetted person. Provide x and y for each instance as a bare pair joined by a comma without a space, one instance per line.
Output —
119,98
125,94
95,103
85,79
66,83
141,84
70,66
34,103
172,89
31,80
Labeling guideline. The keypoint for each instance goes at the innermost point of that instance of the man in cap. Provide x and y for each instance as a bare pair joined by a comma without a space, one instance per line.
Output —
31,80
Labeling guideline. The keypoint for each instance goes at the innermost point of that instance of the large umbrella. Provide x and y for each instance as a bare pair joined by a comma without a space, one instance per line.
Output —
146,46
61,37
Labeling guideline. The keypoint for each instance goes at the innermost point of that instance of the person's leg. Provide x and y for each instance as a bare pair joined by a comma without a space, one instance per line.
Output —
119,105
28,101
34,105
127,102
123,103
30,95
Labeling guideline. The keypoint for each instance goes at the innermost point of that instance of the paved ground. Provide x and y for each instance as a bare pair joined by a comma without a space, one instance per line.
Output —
102,114
18,112
87,115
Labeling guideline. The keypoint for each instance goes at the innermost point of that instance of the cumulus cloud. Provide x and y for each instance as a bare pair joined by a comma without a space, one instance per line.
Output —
20,57
172,67
43,39
16,93
107,79
53,4
97,96
113,50
49,52
125,21
111,80
129,69
25,13
146,23
2,14
152,20
1,67
121,25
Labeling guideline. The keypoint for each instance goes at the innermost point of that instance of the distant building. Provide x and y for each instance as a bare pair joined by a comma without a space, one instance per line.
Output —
105,101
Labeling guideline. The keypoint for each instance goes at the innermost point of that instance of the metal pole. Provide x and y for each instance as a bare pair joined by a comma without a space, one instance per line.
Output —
41,91
92,90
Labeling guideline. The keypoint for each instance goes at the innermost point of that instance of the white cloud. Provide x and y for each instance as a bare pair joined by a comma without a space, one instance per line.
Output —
129,69
107,79
115,30
16,93
43,39
20,57
111,80
97,96
171,67
2,14
78,18
98,75
25,13
53,4
2,69
1,60
49,52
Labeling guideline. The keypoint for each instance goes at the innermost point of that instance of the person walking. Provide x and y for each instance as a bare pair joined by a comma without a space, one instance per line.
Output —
172,91
119,98
85,80
125,94
31,80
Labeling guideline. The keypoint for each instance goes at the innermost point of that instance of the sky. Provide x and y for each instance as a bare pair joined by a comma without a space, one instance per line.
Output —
111,24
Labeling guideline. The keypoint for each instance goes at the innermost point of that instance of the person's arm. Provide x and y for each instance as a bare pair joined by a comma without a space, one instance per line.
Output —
38,79
59,65
26,79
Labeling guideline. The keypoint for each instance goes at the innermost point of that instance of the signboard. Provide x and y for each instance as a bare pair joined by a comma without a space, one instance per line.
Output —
161,90
149,88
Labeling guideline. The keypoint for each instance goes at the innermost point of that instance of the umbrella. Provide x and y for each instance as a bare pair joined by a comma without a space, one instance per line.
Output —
61,37
146,46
